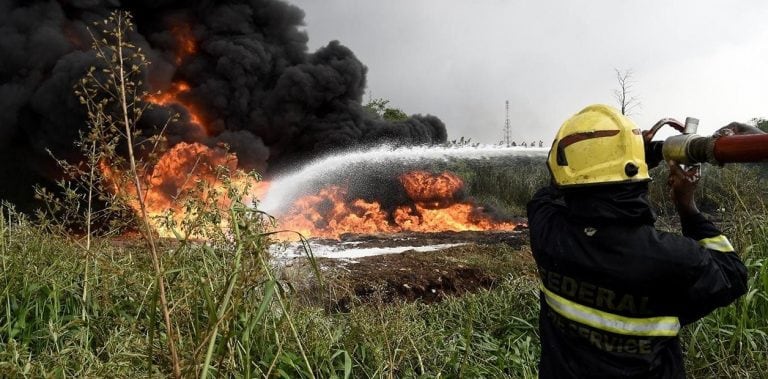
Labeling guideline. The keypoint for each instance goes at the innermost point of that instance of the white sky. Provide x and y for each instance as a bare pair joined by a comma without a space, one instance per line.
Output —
461,59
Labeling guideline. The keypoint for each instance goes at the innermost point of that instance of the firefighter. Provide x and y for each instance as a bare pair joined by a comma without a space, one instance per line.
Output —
615,291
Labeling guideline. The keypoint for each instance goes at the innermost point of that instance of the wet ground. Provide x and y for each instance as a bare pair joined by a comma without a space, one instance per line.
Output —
414,267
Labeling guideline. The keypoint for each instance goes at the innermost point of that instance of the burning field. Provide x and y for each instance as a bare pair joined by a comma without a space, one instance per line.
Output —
431,203
226,106
247,96
187,190
246,91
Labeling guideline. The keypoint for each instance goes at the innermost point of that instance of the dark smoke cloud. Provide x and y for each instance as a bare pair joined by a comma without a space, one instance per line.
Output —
252,80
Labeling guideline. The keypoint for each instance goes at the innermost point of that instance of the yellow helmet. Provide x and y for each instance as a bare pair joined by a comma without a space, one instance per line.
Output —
598,145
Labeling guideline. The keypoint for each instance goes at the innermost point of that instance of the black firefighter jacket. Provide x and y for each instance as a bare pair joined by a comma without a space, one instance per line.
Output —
615,291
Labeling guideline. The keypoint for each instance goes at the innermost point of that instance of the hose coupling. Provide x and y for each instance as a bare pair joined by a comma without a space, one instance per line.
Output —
689,149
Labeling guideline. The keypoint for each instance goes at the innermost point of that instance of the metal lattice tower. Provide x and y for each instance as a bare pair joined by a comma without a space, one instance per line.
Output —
507,127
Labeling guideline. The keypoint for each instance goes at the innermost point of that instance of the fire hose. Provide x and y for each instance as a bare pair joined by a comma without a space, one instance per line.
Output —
689,148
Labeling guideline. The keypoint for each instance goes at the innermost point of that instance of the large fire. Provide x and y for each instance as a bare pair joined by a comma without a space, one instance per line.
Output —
187,172
192,169
433,208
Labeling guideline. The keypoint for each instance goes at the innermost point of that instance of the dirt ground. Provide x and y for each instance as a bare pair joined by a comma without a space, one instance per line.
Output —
485,259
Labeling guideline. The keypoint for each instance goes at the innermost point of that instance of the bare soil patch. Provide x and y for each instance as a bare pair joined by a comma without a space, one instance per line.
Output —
483,260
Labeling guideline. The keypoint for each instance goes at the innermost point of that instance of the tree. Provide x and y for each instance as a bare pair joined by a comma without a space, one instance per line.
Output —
379,109
394,114
626,100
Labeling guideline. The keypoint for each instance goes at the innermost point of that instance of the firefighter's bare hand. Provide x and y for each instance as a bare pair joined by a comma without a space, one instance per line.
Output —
682,186
737,128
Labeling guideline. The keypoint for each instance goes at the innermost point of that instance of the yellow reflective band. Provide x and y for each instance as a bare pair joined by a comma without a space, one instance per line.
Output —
719,243
651,326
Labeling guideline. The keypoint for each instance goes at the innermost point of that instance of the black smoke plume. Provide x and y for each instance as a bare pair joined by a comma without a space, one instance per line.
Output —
252,80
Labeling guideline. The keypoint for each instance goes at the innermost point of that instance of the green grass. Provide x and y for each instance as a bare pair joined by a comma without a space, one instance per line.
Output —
47,327
505,184
733,341
64,313
489,333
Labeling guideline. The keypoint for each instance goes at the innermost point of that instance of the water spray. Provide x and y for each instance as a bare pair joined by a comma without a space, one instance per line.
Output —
287,187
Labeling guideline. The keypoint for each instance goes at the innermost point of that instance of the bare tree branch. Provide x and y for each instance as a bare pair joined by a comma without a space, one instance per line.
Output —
623,94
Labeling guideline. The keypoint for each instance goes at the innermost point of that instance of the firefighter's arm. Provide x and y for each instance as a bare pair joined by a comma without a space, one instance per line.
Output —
710,273
737,128
713,275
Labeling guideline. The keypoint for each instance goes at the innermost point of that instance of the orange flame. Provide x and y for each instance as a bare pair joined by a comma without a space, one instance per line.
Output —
434,209
185,40
188,169
186,46
436,189
171,96
434,198
328,215
181,168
